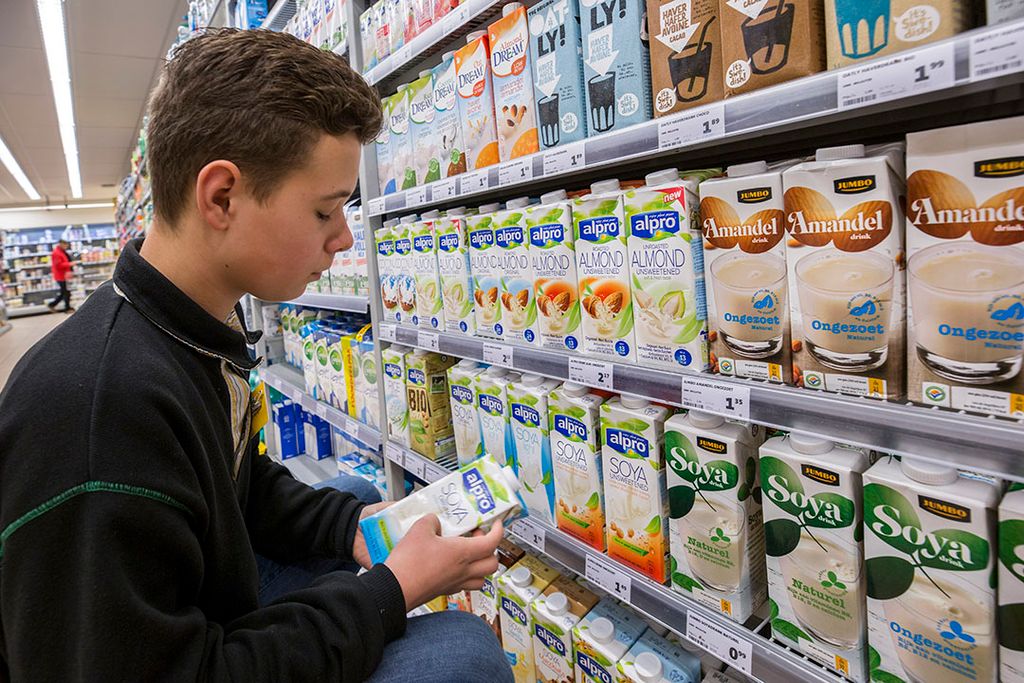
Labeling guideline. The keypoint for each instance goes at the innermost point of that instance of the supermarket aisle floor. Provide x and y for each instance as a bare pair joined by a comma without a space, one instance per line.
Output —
16,343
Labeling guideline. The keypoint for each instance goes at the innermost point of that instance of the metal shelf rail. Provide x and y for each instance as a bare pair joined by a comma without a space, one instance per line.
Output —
334,302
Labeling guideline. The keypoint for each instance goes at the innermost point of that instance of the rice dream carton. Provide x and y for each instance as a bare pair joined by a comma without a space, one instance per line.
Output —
514,107
602,638
519,312
395,394
553,615
401,142
486,263
616,63
517,588
447,124
422,131
465,418
557,53
429,304
476,102
555,280
1011,585
430,419
528,411
453,272
386,181
575,435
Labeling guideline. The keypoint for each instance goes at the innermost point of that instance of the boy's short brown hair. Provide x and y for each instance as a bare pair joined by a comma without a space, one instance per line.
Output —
259,99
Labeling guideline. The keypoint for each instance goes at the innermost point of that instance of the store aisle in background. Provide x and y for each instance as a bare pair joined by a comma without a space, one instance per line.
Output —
26,332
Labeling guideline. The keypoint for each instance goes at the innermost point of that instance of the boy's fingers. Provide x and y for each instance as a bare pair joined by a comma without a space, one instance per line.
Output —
429,523
484,567
486,544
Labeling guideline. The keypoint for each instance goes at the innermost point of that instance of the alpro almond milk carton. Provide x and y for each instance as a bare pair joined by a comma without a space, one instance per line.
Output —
554,614
812,491
666,266
421,129
476,102
469,443
491,387
517,588
846,270
430,418
716,534
395,395
617,64
635,492
384,238
484,602
512,77
744,223
686,54
558,71
447,122
485,261
528,411
555,281
429,304
457,293
602,265
602,638
1011,585
965,267
930,547
518,311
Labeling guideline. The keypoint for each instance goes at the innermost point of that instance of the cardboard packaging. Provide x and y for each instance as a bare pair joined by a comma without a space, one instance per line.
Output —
430,419
557,53
686,54
1011,585
512,76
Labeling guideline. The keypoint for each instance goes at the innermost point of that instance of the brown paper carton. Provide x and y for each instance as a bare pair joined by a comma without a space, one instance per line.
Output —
686,54
770,41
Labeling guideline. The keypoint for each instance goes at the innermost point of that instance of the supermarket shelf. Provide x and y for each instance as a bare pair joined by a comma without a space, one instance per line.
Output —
98,263
769,661
310,471
22,311
334,302
292,384
776,122
280,14
986,444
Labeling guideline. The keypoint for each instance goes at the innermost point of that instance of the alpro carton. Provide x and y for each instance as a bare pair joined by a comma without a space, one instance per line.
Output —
453,272
765,42
366,399
512,74
635,494
845,263
465,418
517,588
519,312
429,304
389,282
930,544
402,269
666,265
430,418
555,281
447,124
401,142
654,659
558,71
716,533
485,261
811,490
484,602
616,58
528,411
476,101
965,267
386,181
744,224
553,615
602,265
602,638
575,435
1011,585
686,54
395,394
491,388
426,151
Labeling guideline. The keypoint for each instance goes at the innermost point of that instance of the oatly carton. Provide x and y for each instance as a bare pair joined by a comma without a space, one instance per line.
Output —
512,75
557,54
686,54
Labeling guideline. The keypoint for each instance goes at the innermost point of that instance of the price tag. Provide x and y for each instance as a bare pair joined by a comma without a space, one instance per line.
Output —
997,52
376,206
593,373
701,125
531,532
417,467
321,411
565,159
435,471
731,400
401,58
477,181
609,577
352,426
416,196
387,333
497,354
394,454
908,73
456,18
429,340
444,189
297,396
515,171
722,643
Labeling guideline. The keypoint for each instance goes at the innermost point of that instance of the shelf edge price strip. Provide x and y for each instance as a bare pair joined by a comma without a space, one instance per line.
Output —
497,354
721,398
903,75
531,532
429,340
387,333
515,171
702,125
612,579
592,373
566,158
709,636
395,455
475,181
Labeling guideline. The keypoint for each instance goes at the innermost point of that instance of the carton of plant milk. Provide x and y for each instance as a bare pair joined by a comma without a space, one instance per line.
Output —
716,533
666,265
421,129
557,53
430,418
402,161
453,272
486,263
517,588
519,312
429,305
338,373
465,419
484,602
403,270
528,411
555,281
635,493
602,638
389,287
491,387
382,28
653,659
811,489
686,54
395,394
1011,585
382,144
965,267
554,614
930,543
476,103
744,223
512,74
368,38
616,58
576,453
845,261
447,125
602,265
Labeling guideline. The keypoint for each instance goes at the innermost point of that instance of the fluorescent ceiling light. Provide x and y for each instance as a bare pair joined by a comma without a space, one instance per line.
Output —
57,207
12,165
51,21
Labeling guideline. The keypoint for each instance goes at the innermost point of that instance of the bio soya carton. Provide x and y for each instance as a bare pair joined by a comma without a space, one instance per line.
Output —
519,313
666,265
634,484
965,267
1011,585
429,305
554,614
403,270
653,659
396,397
484,602
389,284
555,281
602,638
514,107
401,142
812,495
845,262
617,63
602,265
486,263
453,272
476,103
528,410
447,124
558,71
465,418
421,129
430,419
517,588
491,387
385,160
930,541
686,54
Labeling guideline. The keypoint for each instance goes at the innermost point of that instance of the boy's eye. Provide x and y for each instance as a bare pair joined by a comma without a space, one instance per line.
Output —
324,217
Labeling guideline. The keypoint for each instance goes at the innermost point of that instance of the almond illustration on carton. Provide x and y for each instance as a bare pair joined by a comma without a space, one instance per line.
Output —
724,229
944,207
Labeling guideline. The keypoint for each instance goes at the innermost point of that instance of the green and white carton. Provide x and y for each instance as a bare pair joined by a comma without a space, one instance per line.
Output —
517,588
555,283
1011,585
465,418
395,397
602,638
491,387
402,269
575,415
485,261
519,313
422,131
453,271
528,418
554,615
429,305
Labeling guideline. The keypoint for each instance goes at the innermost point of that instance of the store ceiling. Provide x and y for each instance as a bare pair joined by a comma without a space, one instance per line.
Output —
115,49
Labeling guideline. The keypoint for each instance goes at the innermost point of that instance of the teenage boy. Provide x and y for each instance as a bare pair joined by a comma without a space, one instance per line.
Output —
60,268
129,528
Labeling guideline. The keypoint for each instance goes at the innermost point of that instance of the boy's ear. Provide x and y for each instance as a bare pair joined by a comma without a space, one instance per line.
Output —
217,185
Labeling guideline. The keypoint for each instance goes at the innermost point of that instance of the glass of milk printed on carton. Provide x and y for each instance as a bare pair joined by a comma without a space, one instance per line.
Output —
1011,585
602,638
465,419
558,71
575,435
512,74
519,312
395,396
930,540
554,614
528,411
403,270
517,588
429,304
421,129
476,103
491,388
453,272
555,281
666,265
485,261
447,125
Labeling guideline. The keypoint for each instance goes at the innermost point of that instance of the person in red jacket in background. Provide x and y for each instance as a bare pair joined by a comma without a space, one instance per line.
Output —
60,266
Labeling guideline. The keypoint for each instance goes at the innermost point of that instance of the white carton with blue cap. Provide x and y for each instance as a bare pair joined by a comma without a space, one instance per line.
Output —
517,588
602,638
653,659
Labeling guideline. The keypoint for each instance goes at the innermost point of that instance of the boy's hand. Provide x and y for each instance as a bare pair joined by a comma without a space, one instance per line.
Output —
427,564
359,551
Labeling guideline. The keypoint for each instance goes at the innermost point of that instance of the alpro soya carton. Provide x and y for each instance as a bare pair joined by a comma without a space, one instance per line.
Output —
519,312
555,282
930,543
528,418
965,267
686,54
430,418
1011,585
476,101
845,262
716,532
635,495
602,265
421,129
453,272
575,435
512,77
557,53
485,262
386,181
465,418
602,638
384,239
396,397
666,265
811,490
447,123
553,615
617,63
403,270
402,161
484,602
491,388
429,304
654,659
517,588
743,219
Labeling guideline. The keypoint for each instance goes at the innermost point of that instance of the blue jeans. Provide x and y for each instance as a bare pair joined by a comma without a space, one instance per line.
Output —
436,648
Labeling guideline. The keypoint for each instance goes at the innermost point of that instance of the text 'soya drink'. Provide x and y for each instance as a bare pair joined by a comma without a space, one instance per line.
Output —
476,102
617,64
558,71
576,453
512,73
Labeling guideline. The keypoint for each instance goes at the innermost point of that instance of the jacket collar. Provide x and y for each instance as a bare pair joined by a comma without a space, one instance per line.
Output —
170,309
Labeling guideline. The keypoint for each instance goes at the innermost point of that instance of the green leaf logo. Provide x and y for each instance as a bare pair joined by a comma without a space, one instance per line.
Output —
832,581
719,536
